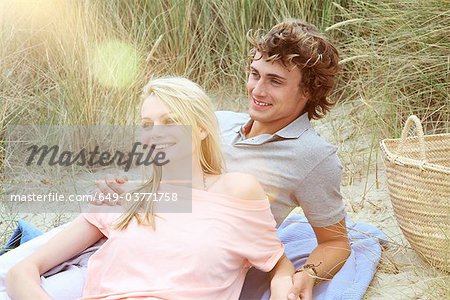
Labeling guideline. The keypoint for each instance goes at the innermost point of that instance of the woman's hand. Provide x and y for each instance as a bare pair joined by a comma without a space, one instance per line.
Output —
280,287
108,189
302,287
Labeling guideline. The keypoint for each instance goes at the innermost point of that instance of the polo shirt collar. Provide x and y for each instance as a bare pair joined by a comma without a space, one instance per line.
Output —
244,129
294,130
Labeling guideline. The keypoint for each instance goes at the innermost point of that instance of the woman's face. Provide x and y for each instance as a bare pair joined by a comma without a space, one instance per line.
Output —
161,130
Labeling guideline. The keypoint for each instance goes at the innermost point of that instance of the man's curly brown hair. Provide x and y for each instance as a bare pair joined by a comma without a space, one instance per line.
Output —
297,43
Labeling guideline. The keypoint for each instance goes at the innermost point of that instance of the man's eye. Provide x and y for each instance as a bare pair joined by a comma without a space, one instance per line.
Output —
276,82
254,74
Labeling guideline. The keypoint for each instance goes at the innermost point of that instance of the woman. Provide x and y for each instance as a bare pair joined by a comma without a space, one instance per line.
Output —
198,255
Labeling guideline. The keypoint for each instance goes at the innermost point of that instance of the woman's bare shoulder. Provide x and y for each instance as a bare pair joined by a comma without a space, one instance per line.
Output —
241,185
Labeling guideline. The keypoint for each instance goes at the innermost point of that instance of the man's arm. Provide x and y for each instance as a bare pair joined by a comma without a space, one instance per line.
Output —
332,251
325,210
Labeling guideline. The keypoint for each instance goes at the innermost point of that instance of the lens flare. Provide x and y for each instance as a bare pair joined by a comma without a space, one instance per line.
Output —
115,64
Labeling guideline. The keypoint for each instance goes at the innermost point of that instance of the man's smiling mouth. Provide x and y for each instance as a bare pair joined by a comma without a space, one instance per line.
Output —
260,103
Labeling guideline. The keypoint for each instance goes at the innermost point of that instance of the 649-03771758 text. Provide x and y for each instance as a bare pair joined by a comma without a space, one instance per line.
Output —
58,197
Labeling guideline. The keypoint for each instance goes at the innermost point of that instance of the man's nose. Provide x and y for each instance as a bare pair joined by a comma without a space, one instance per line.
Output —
259,89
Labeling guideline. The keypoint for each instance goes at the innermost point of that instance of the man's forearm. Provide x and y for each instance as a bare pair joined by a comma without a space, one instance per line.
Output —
328,258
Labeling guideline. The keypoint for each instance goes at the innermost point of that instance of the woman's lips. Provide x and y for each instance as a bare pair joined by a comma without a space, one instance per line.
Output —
162,146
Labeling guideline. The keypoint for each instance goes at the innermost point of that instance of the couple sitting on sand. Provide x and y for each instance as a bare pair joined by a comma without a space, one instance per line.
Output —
207,254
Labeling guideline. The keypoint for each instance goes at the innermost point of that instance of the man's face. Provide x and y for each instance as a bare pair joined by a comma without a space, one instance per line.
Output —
275,96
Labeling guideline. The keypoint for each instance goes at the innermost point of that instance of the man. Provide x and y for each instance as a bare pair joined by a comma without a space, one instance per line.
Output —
292,71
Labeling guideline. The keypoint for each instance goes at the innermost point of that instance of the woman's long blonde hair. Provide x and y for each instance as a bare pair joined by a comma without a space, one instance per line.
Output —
190,106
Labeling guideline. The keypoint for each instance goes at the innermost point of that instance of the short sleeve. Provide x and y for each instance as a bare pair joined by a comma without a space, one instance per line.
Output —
319,194
97,216
259,242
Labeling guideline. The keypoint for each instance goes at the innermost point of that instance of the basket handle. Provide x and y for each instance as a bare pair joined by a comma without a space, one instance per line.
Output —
419,132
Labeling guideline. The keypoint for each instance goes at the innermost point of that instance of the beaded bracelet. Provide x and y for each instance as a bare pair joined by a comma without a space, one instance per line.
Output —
310,269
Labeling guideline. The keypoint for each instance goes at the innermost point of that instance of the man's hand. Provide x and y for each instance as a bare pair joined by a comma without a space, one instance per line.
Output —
280,287
302,287
110,188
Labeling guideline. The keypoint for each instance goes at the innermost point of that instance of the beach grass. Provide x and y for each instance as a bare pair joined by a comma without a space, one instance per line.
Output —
85,62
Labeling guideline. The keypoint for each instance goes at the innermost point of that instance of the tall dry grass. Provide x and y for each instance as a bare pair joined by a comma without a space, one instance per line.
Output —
395,55
396,58
50,52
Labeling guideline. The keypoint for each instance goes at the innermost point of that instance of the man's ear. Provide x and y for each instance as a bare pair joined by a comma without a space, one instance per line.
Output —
304,99
203,134
305,95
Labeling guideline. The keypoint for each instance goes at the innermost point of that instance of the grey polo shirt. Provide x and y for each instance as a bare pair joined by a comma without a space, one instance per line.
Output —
295,166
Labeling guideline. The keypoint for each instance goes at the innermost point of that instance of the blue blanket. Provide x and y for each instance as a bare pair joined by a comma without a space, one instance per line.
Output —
23,233
352,281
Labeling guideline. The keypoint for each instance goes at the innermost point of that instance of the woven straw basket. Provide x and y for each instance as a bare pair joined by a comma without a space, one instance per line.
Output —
418,175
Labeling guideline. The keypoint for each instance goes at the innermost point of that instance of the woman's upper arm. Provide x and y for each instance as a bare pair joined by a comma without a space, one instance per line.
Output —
244,186
75,238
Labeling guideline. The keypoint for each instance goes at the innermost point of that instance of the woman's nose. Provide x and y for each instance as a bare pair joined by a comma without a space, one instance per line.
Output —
153,134
156,137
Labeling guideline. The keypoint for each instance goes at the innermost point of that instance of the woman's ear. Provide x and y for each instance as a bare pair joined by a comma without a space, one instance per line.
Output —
203,134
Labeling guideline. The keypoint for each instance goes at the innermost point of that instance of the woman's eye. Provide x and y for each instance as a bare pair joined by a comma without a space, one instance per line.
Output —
147,125
170,122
